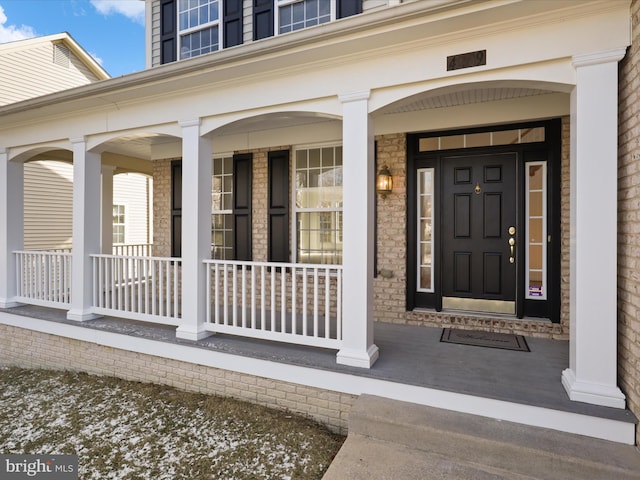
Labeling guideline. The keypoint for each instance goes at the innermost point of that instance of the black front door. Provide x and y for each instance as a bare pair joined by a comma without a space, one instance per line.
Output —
478,232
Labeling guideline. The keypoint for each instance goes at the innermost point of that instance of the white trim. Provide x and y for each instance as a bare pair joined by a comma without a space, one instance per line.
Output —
607,429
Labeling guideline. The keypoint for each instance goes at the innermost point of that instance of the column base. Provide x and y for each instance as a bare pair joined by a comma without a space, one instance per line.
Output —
8,303
187,333
81,315
358,358
596,394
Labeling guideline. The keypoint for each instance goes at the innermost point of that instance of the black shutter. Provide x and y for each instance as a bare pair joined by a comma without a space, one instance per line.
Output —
278,232
168,31
176,208
346,8
232,22
242,178
262,19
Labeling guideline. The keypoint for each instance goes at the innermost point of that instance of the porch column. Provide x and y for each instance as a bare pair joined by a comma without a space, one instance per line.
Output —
107,209
358,349
86,228
196,229
11,225
592,373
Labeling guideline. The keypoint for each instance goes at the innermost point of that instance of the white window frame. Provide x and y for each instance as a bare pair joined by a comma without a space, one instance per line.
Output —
123,224
528,296
336,213
284,3
199,27
222,211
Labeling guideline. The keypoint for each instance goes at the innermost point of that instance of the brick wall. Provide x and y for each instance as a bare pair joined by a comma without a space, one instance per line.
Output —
29,349
629,222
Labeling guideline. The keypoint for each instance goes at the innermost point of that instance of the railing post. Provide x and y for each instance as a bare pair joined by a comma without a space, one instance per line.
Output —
196,229
11,226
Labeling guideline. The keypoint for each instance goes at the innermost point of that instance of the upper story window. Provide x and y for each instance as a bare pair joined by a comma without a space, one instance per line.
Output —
199,22
298,14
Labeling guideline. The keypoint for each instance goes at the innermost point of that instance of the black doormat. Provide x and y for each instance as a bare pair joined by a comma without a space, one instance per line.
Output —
505,341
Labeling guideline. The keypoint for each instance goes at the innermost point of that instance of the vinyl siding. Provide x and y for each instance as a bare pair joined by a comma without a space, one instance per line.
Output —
48,200
155,33
31,72
130,190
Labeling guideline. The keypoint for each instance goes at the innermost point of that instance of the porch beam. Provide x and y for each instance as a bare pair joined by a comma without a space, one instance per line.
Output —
11,226
196,229
85,229
358,349
592,373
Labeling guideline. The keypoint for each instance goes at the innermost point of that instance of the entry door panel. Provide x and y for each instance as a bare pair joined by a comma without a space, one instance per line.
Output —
479,206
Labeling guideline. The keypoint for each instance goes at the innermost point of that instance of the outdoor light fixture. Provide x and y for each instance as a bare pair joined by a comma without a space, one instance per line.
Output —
384,182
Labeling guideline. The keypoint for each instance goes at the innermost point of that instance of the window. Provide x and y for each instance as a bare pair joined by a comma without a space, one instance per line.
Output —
298,14
199,25
536,214
118,224
318,205
425,212
222,209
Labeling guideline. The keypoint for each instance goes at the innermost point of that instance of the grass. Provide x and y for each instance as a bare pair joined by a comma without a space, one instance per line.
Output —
129,430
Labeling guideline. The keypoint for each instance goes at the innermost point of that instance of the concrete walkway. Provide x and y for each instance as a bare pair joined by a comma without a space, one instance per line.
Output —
389,439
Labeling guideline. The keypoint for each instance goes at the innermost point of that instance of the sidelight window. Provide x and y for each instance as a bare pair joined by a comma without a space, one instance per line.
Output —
222,209
425,229
536,240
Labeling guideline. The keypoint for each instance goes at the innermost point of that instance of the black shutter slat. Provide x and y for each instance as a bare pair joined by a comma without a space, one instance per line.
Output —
262,19
346,8
232,23
242,179
176,208
168,31
278,203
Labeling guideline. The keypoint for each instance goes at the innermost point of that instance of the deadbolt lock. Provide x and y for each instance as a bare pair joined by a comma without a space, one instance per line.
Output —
512,230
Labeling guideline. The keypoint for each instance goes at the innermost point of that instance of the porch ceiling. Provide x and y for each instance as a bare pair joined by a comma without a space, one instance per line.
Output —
439,99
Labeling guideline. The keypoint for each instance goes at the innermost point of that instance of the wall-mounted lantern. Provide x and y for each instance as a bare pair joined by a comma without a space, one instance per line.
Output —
384,182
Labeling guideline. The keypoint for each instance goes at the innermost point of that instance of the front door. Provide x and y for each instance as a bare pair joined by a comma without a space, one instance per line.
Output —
478,232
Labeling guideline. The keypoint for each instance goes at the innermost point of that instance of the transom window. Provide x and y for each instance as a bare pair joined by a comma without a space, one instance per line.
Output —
222,209
298,14
199,22
318,205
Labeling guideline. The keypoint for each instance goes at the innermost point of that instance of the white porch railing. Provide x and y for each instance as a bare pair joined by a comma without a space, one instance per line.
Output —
134,250
285,302
43,278
139,288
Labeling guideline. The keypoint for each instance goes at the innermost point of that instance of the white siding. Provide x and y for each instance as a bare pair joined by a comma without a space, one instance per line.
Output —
155,33
31,72
48,200
132,191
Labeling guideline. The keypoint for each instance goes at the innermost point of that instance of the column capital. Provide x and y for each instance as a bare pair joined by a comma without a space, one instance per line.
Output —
190,123
82,139
354,96
597,58
4,151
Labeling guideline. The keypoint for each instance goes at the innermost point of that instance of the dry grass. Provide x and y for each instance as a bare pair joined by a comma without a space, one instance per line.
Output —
130,430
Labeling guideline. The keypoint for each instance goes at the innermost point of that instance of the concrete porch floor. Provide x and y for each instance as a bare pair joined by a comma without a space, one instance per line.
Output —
414,366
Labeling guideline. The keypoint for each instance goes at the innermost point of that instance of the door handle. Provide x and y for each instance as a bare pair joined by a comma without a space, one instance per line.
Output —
512,242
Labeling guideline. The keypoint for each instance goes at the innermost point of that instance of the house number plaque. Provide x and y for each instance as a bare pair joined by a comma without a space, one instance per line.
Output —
467,60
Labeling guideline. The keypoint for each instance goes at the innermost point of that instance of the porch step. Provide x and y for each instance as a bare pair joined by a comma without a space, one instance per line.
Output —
389,439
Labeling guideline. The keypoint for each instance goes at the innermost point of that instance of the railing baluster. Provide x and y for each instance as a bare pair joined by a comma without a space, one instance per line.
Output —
216,304
234,299
315,302
304,301
273,299
225,298
263,307
283,300
244,296
327,303
294,303
253,298
339,305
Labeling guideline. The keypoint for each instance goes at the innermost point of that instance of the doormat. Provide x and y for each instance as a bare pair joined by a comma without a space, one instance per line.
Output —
505,341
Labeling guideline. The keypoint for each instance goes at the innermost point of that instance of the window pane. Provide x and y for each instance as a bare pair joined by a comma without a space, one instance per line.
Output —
429,144
478,139
452,141
425,230
506,137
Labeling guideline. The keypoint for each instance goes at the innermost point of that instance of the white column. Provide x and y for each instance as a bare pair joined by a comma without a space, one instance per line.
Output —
11,225
107,209
358,349
196,229
86,228
592,373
